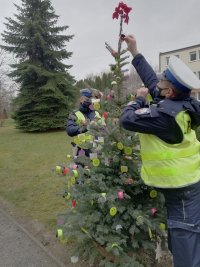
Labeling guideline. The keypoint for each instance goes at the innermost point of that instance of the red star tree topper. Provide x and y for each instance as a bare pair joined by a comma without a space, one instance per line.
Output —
122,11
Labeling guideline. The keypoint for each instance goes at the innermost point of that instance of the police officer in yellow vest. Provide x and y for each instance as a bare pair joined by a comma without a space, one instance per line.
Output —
78,122
170,151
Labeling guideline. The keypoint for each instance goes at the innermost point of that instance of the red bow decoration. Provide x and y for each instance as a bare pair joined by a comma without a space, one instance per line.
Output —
122,10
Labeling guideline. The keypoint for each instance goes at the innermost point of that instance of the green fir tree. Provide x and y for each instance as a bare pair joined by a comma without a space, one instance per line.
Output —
114,218
47,89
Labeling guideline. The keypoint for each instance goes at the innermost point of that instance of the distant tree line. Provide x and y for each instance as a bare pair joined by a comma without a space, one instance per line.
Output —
100,82
103,81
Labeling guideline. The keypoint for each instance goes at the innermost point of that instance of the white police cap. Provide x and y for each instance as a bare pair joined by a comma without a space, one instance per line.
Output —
180,75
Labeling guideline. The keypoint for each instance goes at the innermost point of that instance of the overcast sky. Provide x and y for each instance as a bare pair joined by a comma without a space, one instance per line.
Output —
158,25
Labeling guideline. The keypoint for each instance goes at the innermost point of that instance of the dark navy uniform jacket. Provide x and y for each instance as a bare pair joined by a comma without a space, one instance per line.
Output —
72,127
158,118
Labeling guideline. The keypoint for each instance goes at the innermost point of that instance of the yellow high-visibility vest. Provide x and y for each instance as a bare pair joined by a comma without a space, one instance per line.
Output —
82,139
171,165
81,117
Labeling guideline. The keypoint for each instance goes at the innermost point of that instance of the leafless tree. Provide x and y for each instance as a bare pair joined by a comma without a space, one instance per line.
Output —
8,88
133,80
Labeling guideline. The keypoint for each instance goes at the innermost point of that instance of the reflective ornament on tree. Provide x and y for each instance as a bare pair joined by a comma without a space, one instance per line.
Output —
153,212
120,146
113,211
124,169
74,259
153,193
140,220
121,194
96,162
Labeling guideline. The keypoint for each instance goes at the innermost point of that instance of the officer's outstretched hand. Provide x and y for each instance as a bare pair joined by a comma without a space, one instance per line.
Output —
142,92
131,44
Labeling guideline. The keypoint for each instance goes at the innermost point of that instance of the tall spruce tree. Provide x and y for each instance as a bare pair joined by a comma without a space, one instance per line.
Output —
47,89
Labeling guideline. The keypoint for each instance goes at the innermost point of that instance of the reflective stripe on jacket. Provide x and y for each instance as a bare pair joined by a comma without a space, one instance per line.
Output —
81,117
171,165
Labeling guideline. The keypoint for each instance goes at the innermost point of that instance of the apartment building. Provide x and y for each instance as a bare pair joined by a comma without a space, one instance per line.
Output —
189,55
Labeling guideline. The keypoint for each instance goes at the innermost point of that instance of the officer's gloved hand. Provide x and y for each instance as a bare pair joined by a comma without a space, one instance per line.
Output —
142,92
83,126
86,101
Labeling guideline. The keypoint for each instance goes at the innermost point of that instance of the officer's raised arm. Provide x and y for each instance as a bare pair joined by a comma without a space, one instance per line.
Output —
145,71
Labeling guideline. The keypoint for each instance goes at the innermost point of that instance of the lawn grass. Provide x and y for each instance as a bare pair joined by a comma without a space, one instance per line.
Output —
27,179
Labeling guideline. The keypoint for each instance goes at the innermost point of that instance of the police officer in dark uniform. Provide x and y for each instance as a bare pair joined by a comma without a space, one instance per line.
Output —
79,120
169,148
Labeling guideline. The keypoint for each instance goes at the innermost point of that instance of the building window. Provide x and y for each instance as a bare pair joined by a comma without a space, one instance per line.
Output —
195,72
193,56
167,60
177,56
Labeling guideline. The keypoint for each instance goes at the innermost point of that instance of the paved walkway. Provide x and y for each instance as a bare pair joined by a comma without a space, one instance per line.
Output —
18,248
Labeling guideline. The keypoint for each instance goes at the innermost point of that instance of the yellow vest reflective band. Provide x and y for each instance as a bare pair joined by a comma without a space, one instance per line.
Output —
81,117
171,165
82,139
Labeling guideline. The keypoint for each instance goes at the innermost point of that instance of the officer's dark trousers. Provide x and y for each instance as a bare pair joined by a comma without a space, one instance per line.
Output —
183,206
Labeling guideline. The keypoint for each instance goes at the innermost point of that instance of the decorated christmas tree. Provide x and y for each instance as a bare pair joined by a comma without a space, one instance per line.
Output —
111,215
